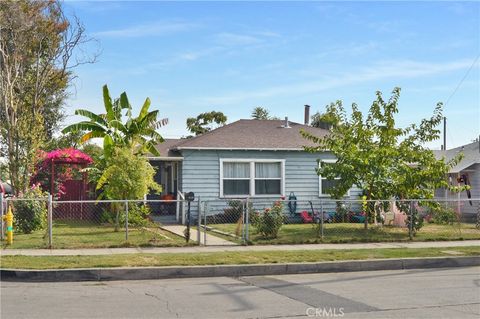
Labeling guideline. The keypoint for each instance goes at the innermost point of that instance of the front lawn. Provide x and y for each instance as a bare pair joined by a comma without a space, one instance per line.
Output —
81,234
349,232
226,258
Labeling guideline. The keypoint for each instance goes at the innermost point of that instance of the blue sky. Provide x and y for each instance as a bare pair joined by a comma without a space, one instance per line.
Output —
193,57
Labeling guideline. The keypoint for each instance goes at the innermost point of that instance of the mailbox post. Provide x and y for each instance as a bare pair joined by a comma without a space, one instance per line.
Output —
189,197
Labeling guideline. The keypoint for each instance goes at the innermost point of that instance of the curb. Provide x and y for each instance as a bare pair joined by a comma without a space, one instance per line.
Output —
149,273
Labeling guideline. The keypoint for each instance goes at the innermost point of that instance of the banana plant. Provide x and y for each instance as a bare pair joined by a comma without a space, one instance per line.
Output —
138,133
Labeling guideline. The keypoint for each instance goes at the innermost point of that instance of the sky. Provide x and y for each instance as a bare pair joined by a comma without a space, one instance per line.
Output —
194,57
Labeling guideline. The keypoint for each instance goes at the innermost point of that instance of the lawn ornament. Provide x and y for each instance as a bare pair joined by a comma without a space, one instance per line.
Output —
292,203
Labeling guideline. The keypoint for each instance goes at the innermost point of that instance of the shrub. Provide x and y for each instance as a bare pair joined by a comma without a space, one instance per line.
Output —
269,222
30,215
444,215
137,215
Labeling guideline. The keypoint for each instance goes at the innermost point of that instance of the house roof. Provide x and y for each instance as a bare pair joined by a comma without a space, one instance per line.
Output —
245,135
254,135
471,156
166,149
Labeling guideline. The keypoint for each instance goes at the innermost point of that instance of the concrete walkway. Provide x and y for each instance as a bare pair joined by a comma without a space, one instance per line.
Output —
209,249
211,240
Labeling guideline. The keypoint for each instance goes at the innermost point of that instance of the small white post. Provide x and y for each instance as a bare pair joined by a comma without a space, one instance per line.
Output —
199,220
126,221
50,220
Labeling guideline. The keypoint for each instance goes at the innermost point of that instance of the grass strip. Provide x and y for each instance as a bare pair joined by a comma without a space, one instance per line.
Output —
226,258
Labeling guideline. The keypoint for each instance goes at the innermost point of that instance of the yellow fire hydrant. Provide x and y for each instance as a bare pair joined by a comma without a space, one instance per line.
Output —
9,219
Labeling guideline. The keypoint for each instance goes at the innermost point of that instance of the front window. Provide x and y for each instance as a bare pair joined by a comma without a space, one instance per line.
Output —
324,184
268,178
236,178
251,177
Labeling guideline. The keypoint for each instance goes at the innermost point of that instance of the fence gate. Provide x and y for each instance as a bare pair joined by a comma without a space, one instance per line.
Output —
223,222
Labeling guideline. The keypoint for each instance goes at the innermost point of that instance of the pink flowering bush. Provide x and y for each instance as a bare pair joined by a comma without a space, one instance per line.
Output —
68,161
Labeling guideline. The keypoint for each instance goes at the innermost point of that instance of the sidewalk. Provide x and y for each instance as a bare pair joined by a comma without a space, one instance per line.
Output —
209,249
211,240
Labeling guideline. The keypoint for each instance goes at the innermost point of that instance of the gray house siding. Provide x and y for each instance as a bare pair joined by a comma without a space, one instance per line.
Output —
473,173
201,174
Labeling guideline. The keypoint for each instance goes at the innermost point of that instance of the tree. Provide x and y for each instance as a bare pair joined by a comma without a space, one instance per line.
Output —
261,113
200,124
138,133
127,176
321,121
37,45
384,160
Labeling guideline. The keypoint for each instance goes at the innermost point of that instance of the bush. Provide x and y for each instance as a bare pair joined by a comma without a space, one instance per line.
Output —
444,215
138,215
30,215
268,223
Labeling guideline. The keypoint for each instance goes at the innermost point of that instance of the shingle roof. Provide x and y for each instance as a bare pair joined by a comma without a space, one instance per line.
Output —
166,148
245,134
253,134
471,155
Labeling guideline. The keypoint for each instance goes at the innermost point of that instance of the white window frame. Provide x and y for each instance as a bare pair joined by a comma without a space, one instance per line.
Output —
252,178
320,177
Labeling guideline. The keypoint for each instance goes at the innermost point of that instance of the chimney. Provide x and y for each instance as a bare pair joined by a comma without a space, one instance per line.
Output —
307,114
286,122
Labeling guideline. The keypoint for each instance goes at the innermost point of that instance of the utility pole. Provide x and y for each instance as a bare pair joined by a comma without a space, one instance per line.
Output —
444,133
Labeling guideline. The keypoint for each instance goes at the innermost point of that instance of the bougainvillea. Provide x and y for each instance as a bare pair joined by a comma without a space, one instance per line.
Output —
68,163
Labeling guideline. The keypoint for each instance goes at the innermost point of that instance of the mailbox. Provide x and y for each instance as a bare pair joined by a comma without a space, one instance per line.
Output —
190,196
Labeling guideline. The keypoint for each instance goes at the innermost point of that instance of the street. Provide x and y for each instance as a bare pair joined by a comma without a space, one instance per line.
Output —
422,293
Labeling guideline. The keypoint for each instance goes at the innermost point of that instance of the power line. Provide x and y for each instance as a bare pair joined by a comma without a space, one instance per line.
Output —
463,79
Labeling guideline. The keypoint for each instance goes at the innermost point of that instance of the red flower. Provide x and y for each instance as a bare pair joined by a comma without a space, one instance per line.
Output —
282,197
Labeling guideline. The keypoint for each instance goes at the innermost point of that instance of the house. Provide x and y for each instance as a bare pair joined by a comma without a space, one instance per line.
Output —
467,170
259,159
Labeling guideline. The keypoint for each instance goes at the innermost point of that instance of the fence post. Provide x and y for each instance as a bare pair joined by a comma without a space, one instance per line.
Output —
126,220
205,224
2,231
247,220
321,220
199,221
410,225
50,220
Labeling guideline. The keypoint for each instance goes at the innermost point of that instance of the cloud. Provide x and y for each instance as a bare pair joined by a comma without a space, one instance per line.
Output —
150,29
233,39
378,71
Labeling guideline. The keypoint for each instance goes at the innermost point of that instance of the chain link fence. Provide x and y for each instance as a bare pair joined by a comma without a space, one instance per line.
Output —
261,221
46,223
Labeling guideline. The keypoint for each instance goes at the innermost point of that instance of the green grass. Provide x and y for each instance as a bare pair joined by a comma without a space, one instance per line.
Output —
81,234
225,258
349,232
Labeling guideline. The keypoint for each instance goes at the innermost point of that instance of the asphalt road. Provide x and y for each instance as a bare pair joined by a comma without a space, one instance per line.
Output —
424,293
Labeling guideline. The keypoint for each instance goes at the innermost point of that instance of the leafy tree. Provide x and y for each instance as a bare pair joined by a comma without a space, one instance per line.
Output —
377,156
261,113
37,46
138,133
127,176
200,124
321,121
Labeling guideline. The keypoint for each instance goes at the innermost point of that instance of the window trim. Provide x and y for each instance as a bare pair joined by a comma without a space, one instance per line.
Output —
252,177
320,194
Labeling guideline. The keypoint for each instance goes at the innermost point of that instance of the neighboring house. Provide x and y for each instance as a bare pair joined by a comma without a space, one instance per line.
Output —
258,159
468,167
